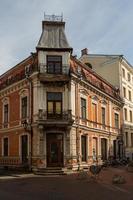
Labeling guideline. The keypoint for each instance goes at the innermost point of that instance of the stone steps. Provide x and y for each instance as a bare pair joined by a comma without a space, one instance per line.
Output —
50,171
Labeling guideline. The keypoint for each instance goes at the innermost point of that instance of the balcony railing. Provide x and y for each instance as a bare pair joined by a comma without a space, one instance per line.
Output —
64,68
45,118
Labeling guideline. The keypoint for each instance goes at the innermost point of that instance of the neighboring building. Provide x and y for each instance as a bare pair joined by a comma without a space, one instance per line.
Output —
56,112
117,70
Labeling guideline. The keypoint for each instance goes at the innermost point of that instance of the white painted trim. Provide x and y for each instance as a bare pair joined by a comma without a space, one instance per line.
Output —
24,93
5,101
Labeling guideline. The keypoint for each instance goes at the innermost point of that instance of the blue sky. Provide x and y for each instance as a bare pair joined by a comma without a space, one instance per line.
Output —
103,26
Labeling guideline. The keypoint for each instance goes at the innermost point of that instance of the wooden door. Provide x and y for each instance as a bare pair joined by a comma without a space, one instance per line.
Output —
54,150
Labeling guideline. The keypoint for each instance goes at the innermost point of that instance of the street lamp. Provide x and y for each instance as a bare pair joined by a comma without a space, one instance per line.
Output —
26,125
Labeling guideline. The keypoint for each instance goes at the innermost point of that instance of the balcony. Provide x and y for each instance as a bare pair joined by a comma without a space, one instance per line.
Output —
62,76
56,120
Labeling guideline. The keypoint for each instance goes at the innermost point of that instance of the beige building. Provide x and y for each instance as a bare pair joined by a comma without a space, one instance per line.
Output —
119,72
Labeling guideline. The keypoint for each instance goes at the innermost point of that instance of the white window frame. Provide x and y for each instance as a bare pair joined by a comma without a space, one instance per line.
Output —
5,101
24,93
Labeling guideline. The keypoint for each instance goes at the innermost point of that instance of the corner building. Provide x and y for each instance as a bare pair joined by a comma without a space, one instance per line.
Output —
55,111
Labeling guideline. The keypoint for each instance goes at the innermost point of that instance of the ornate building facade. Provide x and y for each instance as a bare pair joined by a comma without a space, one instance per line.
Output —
119,72
55,111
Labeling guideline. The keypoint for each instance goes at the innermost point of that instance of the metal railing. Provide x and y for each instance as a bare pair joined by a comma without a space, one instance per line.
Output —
64,69
58,18
10,161
44,115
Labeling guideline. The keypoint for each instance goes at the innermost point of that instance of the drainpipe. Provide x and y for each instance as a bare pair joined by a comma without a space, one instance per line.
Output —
122,150
30,121
30,116
77,123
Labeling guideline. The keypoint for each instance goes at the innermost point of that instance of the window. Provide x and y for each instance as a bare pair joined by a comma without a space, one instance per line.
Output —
123,73
116,120
124,92
128,77
125,113
54,104
129,95
54,64
5,146
94,112
6,110
83,148
131,118
131,139
103,115
24,107
126,137
83,108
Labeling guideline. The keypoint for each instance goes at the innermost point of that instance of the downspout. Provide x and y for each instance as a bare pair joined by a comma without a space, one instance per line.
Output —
121,114
30,117
77,124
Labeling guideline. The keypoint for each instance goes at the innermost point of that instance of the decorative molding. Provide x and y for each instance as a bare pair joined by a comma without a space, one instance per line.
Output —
116,108
94,98
84,92
103,102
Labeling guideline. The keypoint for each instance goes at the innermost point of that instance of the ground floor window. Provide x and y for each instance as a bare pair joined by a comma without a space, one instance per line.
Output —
5,146
104,148
83,148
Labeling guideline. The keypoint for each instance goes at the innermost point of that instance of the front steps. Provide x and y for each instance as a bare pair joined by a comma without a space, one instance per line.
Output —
50,171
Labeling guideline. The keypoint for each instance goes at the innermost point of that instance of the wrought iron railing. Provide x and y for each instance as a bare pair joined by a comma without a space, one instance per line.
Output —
64,69
58,18
10,161
44,115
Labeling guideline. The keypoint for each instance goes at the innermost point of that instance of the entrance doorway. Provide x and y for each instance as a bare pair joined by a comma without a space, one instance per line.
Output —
104,148
24,149
54,150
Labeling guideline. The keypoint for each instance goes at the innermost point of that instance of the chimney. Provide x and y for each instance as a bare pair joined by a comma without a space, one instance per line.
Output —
84,51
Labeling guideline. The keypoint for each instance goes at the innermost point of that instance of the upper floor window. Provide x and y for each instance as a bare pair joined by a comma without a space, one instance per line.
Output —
54,104
116,120
24,107
129,95
5,146
6,110
83,108
131,117
103,115
94,112
128,76
54,64
124,92
123,73
125,113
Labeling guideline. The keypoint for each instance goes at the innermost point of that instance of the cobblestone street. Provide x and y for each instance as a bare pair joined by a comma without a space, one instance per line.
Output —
68,187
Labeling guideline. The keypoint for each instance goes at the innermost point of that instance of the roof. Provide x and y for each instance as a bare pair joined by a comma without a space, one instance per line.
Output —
53,36
110,55
94,79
